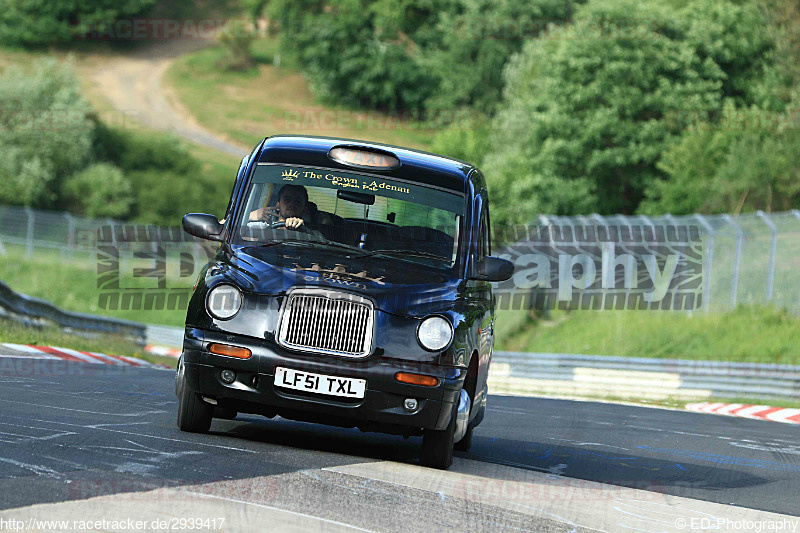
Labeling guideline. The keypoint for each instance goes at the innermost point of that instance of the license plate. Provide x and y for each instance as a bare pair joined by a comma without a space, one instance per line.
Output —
320,383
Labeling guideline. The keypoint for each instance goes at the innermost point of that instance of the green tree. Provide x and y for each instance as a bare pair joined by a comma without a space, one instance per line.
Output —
354,51
45,132
746,161
35,22
100,190
475,39
589,108
236,38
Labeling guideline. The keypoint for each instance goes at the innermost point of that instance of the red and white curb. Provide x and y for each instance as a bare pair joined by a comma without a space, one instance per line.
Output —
758,412
162,350
10,350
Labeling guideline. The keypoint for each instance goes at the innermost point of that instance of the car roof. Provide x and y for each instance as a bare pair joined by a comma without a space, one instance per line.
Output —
415,165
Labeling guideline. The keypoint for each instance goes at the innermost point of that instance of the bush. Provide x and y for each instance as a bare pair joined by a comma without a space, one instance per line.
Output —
466,139
135,151
413,55
236,38
37,22
716,168
45,132
589,108
98,191
163,197
475,40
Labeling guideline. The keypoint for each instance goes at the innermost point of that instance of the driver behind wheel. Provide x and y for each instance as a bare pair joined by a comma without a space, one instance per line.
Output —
291,205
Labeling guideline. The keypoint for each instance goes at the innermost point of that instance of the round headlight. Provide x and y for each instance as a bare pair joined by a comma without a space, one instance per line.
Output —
435,333
224,301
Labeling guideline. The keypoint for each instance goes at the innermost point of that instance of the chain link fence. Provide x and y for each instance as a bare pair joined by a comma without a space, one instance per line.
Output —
29,233
748,259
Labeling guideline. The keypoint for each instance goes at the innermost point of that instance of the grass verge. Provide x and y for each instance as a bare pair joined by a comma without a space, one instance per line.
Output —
267,100
749,333
72,285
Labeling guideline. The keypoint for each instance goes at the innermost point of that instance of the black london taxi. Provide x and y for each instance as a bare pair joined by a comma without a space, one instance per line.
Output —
351,287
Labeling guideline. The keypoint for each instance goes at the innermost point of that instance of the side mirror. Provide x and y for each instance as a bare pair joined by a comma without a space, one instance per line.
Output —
203,226
493,269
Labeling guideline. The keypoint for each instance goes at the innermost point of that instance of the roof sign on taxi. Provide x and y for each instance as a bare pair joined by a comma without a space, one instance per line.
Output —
363,158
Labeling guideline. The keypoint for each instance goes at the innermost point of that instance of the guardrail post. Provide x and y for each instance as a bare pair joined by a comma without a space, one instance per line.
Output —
709,260
773,245
2,248
70,235
29,233
736,257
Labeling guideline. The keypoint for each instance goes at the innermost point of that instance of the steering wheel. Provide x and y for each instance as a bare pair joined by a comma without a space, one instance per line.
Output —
279,224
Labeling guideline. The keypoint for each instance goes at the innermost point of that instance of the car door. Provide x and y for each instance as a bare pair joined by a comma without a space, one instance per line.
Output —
484,303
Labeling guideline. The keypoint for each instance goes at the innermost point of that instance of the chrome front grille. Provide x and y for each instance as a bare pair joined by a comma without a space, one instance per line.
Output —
323,321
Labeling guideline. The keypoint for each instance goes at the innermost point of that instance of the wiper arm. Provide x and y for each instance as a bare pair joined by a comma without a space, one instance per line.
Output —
417,253
323,242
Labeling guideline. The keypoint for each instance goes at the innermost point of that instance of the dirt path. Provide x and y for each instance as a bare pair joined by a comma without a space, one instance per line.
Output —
133,84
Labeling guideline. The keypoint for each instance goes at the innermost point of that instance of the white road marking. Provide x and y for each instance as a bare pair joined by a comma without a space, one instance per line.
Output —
142,413
182,441
272,508
37,469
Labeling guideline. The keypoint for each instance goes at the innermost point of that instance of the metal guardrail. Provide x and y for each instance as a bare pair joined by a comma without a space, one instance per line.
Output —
27,308
168,336
639,377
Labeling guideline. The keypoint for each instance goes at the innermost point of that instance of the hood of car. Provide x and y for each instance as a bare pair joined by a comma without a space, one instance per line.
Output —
396,285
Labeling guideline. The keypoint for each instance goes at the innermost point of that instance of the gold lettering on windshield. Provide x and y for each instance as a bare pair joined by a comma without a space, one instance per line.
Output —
374,186
339,181
290,175
345,182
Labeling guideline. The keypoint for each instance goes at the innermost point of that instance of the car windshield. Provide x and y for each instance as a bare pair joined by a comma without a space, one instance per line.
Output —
365,214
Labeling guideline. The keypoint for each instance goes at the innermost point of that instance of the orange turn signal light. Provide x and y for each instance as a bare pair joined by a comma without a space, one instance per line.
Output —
230,351
416,379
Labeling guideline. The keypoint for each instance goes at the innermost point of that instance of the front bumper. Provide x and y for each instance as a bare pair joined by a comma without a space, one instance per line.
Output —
381,409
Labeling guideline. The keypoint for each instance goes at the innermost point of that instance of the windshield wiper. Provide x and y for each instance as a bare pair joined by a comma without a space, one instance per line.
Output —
323,242
416,253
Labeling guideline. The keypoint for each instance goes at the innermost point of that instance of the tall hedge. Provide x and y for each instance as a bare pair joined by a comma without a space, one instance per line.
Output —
38,22
590,108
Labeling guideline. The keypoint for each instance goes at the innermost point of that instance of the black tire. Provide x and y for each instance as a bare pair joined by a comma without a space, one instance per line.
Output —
437,445
194,415
466,441
227,414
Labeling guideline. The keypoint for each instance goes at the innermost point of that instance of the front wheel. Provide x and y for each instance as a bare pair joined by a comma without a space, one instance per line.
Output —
194,415
437,445
466,441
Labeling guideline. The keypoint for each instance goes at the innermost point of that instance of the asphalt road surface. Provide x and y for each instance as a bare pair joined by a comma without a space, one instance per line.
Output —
99,441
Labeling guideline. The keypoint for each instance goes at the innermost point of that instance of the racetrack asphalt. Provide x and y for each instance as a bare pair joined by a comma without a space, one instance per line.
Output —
72,431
